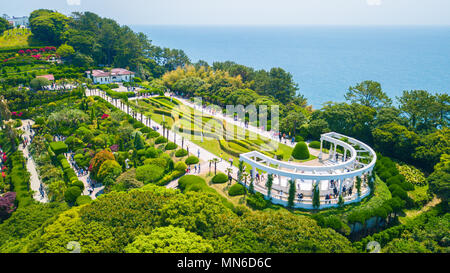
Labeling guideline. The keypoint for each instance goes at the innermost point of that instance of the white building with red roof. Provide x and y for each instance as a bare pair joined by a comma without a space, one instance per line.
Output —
113,76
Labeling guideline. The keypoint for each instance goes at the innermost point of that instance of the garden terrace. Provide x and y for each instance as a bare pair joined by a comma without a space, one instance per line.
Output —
333,176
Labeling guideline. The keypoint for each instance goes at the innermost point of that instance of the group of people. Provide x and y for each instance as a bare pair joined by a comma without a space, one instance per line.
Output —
196,169
82,172
78,170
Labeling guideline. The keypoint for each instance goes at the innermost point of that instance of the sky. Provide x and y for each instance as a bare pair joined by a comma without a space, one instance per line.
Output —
249,12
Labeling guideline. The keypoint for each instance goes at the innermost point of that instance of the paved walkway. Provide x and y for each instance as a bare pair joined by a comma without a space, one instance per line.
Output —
84,179
35,182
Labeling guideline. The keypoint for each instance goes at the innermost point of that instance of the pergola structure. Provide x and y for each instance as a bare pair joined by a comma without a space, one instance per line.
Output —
333,176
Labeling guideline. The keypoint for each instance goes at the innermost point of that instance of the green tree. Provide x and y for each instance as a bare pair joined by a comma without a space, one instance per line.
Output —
65,51
38,83
4,25
368,93
48,26
420,107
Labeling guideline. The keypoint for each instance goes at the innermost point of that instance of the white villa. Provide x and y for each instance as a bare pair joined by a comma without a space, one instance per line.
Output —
113,76
17,21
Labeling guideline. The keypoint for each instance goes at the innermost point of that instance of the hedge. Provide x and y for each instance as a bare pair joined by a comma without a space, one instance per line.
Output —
20,178
219,178
59,147
314,144
236,189
171,176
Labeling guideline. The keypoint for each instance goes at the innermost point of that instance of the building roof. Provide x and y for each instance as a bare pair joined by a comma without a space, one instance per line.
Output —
49,77
113,72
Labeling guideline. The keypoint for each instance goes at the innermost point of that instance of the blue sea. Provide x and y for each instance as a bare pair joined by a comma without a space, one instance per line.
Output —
324,60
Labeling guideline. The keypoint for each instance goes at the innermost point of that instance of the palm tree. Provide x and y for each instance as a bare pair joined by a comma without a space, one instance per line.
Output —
215,160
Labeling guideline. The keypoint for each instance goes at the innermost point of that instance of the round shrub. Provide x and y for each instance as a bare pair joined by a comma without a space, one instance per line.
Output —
153,134
171,146
145,130
192,183
149,173
236,189
299,138
180,166
72,194
160,140
191,160
181,153
78,184
219,178
314,144
300,151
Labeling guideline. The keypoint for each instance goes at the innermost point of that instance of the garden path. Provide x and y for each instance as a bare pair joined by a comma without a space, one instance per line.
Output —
35,182
84,179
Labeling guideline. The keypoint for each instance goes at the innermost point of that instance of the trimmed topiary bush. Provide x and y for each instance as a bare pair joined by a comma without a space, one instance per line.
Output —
314,144
219,178
181,153
160,140
145,130
171,146
153,134
236,189
149,173
59,147
78,184
300,151
193,183
191,160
